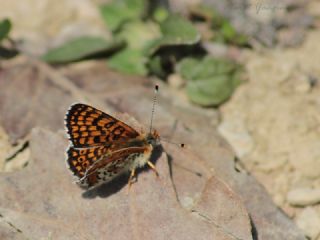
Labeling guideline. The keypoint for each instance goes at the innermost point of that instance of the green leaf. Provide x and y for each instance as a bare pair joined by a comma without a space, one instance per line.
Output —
210,81
80,48
210,92
160,14
175,31
189,68
241,40
223,30
129,61
192,68
120,11
179,30
155,66
238,77
227,30
226,33
138,34
5,27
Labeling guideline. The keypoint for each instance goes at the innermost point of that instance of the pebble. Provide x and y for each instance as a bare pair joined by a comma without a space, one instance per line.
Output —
302,84
303,196
235,131
309,221
187,202
175,81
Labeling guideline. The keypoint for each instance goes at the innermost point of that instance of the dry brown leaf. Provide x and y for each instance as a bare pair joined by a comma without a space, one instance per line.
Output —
41,201
199,194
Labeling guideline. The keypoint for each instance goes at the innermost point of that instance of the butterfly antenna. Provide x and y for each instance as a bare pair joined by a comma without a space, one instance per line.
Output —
156,89
182,145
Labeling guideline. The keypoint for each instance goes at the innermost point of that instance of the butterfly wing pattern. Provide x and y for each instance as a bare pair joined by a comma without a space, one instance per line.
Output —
103,147
88,127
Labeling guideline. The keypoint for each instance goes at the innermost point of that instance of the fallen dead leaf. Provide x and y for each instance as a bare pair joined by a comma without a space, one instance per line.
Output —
200,195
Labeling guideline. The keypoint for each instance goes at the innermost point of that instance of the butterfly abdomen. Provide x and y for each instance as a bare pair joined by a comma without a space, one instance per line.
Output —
140,159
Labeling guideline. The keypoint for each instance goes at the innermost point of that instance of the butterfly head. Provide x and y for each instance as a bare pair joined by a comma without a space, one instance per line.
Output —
153,138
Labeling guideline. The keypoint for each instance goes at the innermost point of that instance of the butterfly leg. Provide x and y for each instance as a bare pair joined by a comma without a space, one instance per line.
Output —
153,168
133,171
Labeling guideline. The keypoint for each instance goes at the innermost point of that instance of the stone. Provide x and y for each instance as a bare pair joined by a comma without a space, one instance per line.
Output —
303,196
309,221
175,81
235,131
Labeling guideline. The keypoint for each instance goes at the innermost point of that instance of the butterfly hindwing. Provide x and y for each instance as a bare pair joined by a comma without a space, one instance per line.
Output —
111,166
89,127
79,160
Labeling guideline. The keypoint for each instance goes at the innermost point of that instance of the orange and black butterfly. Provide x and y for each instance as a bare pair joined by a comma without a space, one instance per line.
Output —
103,147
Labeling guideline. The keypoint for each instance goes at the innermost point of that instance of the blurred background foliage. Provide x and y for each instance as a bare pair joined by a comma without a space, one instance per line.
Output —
149,40
8,50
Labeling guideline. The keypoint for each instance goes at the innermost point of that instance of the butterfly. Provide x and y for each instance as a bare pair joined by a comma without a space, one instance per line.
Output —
103,147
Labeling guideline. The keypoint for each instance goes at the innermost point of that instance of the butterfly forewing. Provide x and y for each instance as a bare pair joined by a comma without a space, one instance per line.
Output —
89,127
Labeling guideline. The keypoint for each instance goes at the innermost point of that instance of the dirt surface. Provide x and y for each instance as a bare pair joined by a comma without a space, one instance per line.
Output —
272,122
